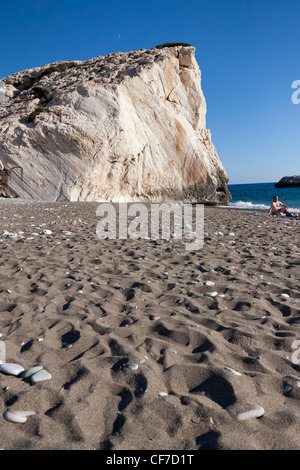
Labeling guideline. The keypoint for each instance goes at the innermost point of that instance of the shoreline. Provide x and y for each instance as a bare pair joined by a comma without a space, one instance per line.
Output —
86,309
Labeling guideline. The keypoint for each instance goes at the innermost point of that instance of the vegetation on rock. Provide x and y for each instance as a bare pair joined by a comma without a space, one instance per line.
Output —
41,91
37,111
172,44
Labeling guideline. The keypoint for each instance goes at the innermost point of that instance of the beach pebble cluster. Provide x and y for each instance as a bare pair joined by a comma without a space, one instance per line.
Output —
35,374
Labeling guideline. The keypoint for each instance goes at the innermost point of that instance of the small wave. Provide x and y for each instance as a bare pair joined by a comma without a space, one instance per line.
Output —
250,206
247,205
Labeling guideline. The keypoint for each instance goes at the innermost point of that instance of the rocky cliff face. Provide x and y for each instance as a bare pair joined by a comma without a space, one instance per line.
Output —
123,127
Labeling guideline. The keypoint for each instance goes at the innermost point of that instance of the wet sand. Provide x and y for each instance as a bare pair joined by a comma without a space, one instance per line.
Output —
85,309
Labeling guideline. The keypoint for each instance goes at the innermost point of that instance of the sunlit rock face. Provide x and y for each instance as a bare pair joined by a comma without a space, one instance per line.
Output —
123,127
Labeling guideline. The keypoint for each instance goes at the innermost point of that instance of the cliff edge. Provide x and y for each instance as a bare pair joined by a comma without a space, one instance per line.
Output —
122,127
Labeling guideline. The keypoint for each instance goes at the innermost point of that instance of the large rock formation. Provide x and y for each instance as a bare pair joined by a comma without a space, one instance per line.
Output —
289,182
126,126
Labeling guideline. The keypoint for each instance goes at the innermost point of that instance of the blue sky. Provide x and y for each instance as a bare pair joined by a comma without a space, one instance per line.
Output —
247,50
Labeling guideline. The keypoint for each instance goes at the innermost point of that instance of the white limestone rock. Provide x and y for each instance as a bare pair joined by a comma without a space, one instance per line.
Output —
123,127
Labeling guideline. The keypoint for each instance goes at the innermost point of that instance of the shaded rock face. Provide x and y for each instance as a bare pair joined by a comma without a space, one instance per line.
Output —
123,127
288,182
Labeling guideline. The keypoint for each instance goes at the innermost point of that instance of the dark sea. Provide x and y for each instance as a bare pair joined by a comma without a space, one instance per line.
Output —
258,196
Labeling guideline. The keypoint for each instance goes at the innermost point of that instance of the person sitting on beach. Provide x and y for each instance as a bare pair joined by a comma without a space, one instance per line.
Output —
275,208
283,211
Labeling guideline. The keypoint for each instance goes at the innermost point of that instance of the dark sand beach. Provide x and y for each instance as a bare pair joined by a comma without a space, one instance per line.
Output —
85,309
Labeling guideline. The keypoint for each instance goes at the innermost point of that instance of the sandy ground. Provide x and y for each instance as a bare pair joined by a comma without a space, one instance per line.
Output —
85,309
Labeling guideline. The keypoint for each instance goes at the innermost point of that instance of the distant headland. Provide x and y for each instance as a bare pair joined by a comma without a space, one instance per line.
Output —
288,182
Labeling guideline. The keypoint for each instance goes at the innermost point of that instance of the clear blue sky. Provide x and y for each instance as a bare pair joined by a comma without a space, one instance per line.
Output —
247,50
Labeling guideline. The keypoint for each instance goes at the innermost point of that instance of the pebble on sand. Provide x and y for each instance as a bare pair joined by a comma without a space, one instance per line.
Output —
29,372
17,416
256,412
235,372
209,283
133,366
40,376
11,369
211,294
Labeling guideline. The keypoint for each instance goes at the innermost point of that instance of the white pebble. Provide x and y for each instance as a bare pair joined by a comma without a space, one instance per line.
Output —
2,351
235,372
40,376
46,232
211,294
163,394
31,371
284,295
256,412
11,369
209,283
17,416
133,366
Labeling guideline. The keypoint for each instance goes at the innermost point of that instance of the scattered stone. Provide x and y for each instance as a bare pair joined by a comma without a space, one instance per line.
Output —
2,352
163,394
155,318
209,283
256,412
11,369
29,372
211,294
40,376
17,416
133,366
235,372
